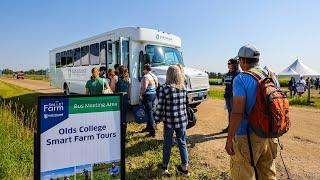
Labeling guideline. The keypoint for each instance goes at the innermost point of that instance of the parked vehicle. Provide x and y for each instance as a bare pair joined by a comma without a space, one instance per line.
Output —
70,65
20,75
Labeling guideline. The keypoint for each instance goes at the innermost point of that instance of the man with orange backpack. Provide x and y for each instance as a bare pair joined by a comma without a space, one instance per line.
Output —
259,116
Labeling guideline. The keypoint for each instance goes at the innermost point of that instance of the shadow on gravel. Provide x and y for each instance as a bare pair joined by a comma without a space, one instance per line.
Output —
200,138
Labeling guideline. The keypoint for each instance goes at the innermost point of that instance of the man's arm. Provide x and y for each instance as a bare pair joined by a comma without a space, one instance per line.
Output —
87,91
237,115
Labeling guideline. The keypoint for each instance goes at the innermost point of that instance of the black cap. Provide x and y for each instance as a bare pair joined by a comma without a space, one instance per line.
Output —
233,61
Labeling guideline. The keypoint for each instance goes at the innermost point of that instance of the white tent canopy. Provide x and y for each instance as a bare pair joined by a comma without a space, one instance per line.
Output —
296,69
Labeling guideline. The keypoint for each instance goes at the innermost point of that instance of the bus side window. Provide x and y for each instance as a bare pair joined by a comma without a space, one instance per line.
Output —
70,58
63,58
58,60
103,47
111,54
85,55
94,54
125,53
76,57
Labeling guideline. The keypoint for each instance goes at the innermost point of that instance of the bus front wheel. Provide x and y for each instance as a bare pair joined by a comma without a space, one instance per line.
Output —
66,90
195,105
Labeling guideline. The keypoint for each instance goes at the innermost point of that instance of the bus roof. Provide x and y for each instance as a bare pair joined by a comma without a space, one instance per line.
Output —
134,33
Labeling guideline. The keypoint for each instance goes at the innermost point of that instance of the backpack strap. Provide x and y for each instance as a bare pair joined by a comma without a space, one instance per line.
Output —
251,155
155,82
259,75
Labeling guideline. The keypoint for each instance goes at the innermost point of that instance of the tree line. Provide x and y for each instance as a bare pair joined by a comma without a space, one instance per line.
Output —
214,75
31,71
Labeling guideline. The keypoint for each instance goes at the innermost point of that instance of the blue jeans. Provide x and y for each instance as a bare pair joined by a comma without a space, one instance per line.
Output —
148,102
229,106
167,144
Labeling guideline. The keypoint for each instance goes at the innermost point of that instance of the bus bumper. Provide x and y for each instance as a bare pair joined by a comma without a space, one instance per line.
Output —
197,96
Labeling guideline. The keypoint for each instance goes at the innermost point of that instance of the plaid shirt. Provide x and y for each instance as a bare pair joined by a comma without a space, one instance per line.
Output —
172,107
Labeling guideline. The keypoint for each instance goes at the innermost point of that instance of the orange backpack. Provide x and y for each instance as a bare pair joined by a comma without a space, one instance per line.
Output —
269,117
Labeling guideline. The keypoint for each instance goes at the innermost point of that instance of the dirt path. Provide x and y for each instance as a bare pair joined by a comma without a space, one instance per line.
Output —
35,85
301,144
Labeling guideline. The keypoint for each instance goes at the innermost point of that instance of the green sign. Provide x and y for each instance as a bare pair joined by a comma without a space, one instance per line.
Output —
94,104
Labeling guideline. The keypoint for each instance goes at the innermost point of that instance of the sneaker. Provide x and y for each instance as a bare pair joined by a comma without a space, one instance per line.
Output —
152,135
147,129
225,130
182,172
164,171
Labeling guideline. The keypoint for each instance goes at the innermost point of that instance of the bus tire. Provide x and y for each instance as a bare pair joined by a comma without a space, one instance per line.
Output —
195,105
66,90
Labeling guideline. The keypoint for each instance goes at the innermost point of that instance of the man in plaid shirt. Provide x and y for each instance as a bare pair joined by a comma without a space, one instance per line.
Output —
171,108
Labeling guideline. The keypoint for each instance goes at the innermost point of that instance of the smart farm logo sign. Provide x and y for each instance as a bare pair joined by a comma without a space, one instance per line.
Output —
53,111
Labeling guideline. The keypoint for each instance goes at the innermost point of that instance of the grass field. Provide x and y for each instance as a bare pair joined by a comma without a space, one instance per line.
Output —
18,117
144,157
101,171
217,91
23,102
16,145
30,76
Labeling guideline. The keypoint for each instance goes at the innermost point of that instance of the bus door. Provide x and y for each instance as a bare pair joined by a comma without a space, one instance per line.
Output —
118,52
111,54
123,52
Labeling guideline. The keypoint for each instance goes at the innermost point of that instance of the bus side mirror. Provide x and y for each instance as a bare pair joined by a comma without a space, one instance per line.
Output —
146,59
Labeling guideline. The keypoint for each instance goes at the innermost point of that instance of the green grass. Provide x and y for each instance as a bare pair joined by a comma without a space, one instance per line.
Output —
216,92
101,171
80,176
16,145
144,156
303,101
23,102
284,82
215,81
36,77
30,76
18,118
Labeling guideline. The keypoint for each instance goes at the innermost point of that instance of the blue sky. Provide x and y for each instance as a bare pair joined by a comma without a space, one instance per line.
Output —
58,173
211,31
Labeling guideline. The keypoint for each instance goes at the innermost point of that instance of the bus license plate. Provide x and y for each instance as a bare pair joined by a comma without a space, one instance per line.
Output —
201,94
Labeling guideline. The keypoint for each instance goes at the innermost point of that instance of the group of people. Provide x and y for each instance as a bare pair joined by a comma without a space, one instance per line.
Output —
171,107
240,96
117,80
300,86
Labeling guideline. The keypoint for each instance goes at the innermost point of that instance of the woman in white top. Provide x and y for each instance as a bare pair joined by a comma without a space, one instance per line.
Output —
148,95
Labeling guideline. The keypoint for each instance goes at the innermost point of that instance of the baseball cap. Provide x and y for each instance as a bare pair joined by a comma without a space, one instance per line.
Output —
248,51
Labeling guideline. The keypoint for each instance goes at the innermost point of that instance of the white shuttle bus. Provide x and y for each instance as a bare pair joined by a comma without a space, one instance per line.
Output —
70,65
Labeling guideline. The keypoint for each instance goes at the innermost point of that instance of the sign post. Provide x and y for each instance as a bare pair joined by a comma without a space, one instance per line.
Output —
80,137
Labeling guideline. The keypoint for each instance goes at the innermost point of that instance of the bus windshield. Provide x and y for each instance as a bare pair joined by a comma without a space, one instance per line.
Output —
160,55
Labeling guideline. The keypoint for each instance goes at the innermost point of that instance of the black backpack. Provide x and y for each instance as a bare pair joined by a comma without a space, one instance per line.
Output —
192,119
